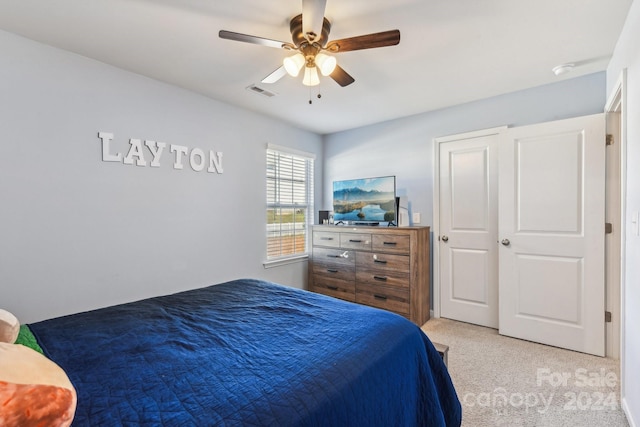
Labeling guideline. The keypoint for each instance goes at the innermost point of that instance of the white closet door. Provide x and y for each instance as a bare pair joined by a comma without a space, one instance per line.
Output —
468,229
551,229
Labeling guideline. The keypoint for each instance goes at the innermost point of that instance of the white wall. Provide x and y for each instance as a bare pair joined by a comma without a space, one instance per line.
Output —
77,233
627,55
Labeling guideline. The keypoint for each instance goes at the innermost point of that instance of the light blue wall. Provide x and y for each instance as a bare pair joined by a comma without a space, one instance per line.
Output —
627,57
77,233
404,148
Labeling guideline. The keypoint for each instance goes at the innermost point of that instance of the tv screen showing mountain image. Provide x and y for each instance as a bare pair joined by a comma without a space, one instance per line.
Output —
369,200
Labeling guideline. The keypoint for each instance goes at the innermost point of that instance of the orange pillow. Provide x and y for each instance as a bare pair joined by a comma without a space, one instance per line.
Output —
34,391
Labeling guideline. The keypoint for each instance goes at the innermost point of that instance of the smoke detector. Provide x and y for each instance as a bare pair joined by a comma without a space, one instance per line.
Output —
562,69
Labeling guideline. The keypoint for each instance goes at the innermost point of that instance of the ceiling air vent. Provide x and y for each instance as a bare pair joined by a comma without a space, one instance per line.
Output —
260,91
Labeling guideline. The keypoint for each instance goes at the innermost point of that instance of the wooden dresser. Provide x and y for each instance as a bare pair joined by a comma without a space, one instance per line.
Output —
382,267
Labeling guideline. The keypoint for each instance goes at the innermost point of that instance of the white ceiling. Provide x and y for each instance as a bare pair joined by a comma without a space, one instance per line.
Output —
451,51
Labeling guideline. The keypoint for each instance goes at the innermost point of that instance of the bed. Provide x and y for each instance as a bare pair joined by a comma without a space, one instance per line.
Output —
249,353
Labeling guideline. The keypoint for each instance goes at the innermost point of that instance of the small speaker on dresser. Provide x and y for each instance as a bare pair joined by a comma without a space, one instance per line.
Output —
402,211
323,217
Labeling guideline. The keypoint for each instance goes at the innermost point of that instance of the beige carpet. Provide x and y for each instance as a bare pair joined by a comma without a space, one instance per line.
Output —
503,381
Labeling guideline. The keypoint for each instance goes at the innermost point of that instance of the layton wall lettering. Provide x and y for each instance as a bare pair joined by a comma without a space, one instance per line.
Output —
197,158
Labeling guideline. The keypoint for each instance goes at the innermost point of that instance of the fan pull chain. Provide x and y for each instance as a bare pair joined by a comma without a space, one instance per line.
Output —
319,95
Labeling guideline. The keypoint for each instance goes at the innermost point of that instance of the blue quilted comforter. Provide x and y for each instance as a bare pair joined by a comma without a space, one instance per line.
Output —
249,353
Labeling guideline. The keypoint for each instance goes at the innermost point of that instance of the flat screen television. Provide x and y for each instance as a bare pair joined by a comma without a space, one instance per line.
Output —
367,201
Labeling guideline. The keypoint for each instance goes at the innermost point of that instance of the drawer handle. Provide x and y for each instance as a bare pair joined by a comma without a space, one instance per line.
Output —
331,270
380,297
344,254
333,288
389,243
355,241
379,261
326,238
380,278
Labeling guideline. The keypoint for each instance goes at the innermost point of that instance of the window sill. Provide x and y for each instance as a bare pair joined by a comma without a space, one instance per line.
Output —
285,261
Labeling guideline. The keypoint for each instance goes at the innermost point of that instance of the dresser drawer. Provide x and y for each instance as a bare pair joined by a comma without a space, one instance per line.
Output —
326,238
334,256
341,272
377,278
391,243
361,241
382,262
336,288
385,297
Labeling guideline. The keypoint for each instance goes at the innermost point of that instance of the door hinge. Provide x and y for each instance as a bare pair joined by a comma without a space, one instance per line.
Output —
608,228
609,139
607,317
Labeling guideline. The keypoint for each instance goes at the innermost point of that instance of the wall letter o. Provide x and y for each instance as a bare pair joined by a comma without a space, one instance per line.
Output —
199,164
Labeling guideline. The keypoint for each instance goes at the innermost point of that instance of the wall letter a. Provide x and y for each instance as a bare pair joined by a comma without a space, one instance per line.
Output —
135,151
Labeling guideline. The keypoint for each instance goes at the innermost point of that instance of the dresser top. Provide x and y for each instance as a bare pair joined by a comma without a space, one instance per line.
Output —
366,228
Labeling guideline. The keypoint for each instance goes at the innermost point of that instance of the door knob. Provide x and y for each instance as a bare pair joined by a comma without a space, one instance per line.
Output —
506,242
445,238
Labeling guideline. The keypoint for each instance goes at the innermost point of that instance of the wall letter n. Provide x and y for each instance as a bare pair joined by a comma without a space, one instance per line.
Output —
215,162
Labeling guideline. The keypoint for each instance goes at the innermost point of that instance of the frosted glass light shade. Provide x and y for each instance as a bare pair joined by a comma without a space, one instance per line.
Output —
326,63
293,64
310,76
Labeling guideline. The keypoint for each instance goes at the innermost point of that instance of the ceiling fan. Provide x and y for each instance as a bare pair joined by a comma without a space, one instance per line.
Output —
310,33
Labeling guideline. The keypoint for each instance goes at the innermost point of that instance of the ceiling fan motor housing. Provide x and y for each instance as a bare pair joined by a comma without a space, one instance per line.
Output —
299,38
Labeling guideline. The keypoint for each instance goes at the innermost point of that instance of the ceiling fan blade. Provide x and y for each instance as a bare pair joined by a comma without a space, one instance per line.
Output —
368,41
275,76
230,35
341,76
312,17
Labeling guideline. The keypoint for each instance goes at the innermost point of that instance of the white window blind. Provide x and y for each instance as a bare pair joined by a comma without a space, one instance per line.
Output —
289,203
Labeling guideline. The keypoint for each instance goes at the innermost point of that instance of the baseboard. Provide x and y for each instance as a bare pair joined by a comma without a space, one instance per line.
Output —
627,413
430,314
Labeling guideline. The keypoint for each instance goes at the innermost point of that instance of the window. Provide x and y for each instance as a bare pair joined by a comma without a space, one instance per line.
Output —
289,202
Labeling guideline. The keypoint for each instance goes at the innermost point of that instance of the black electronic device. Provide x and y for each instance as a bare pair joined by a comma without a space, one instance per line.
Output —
323,217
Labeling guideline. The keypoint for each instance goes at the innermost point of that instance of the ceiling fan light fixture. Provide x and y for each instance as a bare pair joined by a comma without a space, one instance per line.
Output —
326,63
293,64
310,40
311,76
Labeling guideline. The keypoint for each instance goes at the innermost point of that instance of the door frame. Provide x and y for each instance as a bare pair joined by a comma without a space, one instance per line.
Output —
615,211
617,104
436,202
